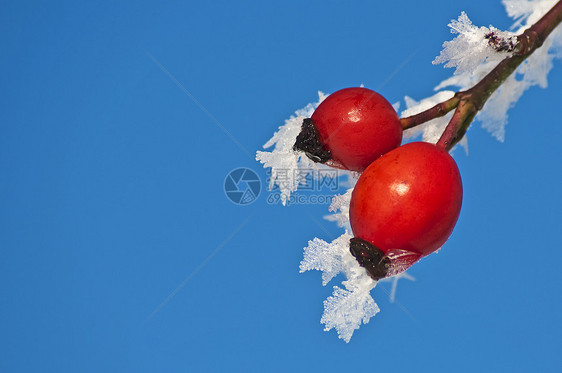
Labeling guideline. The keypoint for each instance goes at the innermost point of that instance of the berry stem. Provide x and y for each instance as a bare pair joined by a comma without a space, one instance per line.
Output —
435,112
469,102
459,123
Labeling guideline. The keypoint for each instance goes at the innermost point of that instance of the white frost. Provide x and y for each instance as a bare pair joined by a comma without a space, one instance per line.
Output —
347,308
472,56
288,167
526,12
470,48
340,209
394,280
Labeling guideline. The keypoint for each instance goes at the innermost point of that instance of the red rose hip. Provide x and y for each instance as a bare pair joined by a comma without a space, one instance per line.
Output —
407,202
352,127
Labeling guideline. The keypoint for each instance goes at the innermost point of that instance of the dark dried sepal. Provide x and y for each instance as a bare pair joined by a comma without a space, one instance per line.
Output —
501,44
370,257
308,141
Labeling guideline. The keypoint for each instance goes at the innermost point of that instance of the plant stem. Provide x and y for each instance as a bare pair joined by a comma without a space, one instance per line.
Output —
469,102
435,112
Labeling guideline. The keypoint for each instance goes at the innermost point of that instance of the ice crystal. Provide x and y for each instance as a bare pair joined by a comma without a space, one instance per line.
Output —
347,308
283,160
340,209
471,48
345,311
526,12
473,56
394,280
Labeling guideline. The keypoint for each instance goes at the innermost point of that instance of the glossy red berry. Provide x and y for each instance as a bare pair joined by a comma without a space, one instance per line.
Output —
357,126
408,199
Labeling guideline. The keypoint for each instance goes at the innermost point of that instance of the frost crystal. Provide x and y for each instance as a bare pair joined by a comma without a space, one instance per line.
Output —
526,12
472,48
340,209
533,71
394,281
326,257
473,57
283,160
347,308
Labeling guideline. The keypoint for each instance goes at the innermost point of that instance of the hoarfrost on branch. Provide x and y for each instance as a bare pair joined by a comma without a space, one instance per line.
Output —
472,56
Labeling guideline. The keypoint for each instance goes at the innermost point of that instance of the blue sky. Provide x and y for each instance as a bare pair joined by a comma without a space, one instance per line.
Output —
111,194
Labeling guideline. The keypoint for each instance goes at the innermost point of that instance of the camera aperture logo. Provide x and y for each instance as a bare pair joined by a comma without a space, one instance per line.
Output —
242,186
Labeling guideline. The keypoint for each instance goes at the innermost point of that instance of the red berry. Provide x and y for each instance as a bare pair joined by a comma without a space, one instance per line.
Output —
357,126
408,199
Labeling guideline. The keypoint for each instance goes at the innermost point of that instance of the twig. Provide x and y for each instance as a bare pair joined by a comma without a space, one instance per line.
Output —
435,112
469,102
